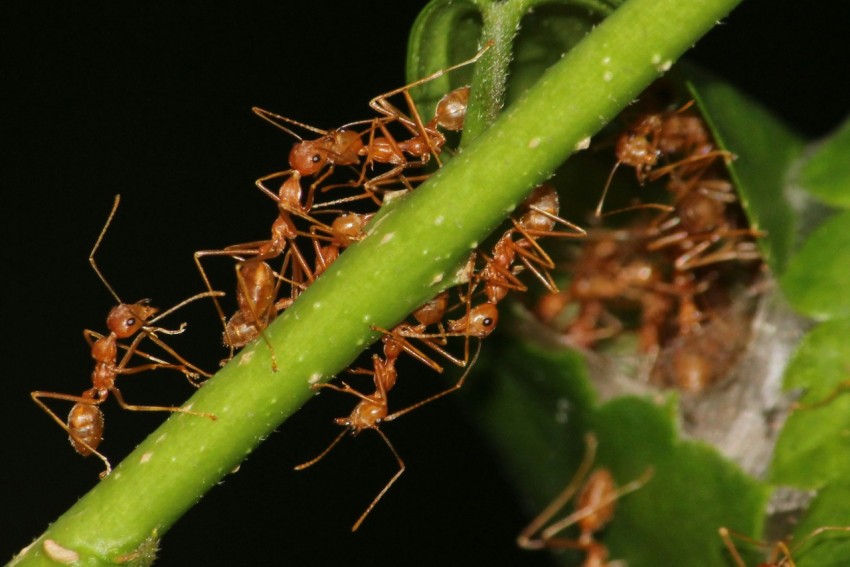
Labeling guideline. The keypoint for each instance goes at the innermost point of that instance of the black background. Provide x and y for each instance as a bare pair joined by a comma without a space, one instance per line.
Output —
154,103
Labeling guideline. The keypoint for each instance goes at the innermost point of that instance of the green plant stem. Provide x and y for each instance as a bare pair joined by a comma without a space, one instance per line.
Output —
409,256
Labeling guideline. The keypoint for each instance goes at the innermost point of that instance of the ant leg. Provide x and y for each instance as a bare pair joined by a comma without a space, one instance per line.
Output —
727,535
130,407
438,395
321,455
395,477
525,538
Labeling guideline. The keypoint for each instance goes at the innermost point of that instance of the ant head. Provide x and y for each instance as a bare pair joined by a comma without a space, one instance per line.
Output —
481,321
310,156
126,319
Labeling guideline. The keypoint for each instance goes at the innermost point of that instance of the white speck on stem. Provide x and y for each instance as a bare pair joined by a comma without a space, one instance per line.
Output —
533,143
387,237
437,279
60,554
317,305
146,457
511,208
607,76
367,318
439,220
664,66
473,245
314,378
582,144
246,357
606,60
160,439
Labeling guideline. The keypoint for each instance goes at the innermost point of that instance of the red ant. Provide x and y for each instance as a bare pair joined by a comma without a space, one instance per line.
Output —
781,552
85,421
478,322
373,410
257,284
655,135
427,140
538,218
345,146
345,230
702,231
610,271
595,503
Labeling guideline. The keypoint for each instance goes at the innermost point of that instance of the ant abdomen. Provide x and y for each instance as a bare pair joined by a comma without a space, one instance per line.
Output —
85,426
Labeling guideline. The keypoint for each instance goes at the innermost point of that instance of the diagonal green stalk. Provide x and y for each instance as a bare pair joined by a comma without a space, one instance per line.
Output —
410,254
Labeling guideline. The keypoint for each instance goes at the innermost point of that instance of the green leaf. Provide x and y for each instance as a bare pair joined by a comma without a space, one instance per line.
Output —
537,402
526,37
829,548
537,405
817,276
827,173
814,446
765,149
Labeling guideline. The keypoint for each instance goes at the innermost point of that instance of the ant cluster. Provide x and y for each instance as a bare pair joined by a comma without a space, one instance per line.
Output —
335,184
672,273
671,276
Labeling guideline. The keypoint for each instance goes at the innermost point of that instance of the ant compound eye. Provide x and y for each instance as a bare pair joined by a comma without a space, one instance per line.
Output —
130,321
488,322
316,158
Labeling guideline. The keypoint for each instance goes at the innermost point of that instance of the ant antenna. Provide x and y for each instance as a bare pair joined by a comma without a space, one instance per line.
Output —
97,245
273,119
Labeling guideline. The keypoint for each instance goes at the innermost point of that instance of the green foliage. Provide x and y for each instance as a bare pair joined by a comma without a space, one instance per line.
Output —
826,175
814,448
537,403
816,280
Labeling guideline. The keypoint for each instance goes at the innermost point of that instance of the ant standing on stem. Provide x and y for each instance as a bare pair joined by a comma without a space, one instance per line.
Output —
85,422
